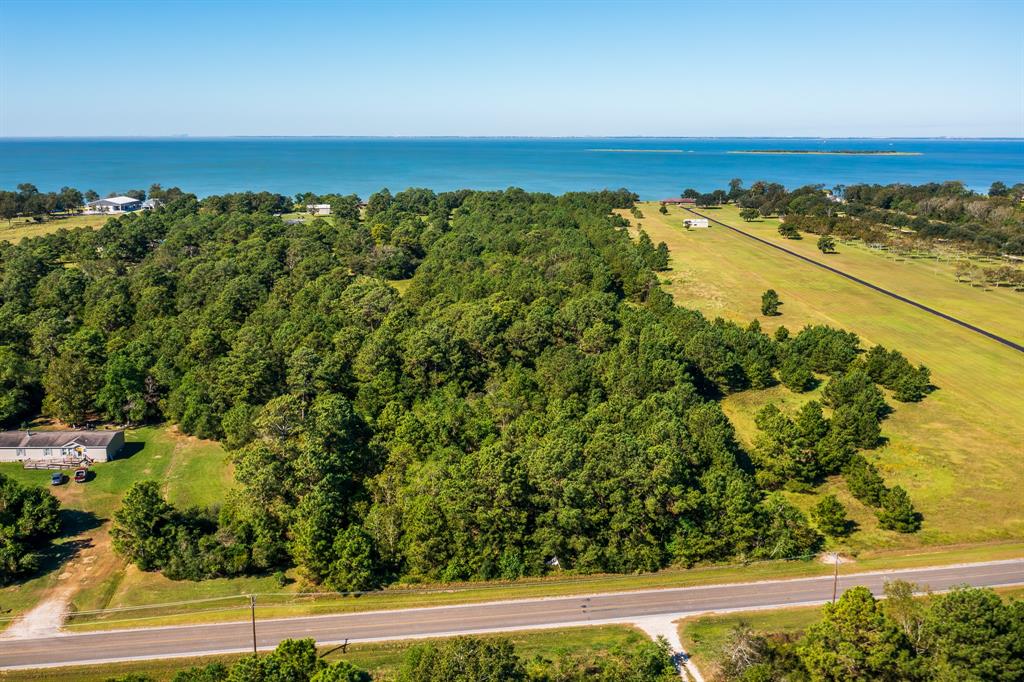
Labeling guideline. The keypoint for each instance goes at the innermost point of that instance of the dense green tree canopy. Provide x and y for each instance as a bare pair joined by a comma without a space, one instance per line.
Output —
967,634
855,642
532,395
948,211
29,518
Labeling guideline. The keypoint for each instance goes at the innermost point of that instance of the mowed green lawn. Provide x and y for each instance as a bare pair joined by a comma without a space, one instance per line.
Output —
958,452
15,230
191,473
930,281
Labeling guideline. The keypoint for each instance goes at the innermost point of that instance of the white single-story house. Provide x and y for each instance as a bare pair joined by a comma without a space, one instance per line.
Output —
696,222
114,205
151,204
98,446
318,209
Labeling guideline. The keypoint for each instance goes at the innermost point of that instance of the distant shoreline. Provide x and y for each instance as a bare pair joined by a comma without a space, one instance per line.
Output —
200,137
641,151
830,152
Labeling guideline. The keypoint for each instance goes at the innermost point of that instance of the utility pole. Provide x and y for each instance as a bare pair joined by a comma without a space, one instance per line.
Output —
835,575
252,610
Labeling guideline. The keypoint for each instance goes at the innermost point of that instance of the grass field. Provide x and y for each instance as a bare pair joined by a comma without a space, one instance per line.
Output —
20,228
927,280
382,659
959,451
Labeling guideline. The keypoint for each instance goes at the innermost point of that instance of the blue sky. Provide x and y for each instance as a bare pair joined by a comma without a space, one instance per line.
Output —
491,68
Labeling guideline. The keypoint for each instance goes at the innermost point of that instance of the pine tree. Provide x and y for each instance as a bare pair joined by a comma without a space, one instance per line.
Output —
856,642
795,374
830,515
863,481
912,385
898,513
355,569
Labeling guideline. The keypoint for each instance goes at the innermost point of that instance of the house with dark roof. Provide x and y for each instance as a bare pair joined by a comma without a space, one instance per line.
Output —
96,446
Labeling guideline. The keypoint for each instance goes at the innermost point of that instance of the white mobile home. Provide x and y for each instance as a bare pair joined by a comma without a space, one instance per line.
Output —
98,446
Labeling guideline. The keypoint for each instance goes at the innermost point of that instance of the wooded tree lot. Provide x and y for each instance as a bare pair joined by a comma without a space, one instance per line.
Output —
967,634
534,395
945,211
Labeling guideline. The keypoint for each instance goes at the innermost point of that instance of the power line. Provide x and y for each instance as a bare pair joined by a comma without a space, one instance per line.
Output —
97,615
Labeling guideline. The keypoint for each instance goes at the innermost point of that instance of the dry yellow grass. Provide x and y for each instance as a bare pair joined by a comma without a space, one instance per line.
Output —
959,452
15,230
929,281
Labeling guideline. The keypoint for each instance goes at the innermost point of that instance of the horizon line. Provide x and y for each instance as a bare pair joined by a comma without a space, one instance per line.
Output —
503,137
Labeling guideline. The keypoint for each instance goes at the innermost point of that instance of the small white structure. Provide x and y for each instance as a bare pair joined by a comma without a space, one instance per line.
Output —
114,205
696,222
60,446
318,209
151,204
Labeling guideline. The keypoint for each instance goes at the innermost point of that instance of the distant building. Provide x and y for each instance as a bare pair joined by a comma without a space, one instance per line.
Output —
696,222
684,202
318,209
151,204
57,446
114,205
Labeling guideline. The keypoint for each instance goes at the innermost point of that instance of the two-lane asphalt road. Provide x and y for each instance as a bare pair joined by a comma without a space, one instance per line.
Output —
166,642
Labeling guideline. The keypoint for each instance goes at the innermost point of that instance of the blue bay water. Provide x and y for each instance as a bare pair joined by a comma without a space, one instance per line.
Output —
653,167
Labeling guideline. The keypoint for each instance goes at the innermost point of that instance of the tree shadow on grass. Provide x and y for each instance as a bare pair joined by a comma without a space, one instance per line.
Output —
130,449
64,547
849,528
75,522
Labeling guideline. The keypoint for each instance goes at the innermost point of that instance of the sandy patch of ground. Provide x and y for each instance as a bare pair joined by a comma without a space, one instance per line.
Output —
831,558
90,562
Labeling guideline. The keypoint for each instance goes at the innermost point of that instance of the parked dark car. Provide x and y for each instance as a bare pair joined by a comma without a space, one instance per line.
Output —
58,478
81,475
